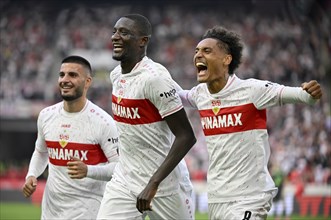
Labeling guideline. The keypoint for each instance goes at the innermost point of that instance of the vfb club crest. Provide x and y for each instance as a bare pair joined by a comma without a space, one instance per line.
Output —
216,106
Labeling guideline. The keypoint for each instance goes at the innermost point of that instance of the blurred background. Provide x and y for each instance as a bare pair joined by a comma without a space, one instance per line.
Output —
287,42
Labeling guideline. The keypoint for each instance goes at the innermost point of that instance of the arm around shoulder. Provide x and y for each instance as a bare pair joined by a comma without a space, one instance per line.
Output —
184,96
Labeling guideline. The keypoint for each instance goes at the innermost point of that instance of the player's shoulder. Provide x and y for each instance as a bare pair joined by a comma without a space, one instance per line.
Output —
51,110
154,69
116,70
115,73
252,82
201,88
98,115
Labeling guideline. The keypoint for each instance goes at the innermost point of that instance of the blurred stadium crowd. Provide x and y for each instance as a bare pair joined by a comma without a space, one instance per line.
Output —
285,41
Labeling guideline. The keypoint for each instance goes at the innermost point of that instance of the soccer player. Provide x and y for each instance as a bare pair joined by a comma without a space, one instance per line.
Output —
79,142
233,118
154,132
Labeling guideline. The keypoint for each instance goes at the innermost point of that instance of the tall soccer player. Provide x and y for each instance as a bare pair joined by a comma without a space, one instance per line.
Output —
233,118
79,142
151,176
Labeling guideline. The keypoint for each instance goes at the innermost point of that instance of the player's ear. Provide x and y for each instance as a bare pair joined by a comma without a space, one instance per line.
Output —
88,81
227,59
144,41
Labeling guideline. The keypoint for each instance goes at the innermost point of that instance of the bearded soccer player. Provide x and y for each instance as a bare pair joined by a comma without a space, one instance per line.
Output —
233,118
79,142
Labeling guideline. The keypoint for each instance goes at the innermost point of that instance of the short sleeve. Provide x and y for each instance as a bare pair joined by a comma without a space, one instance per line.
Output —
162,91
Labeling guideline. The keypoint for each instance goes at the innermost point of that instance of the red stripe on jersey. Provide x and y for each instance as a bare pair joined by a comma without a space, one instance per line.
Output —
90,154
232,119
134,111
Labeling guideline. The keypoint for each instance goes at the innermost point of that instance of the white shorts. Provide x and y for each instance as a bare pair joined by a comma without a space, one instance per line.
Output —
120,203
252,209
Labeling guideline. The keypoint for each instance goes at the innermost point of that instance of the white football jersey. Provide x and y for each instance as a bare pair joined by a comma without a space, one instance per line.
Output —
90,135
140,101
235,126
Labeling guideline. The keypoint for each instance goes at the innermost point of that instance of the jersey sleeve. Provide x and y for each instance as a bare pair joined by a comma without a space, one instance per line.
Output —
39,159
40,142
162,91
265,94
296,95
108,139
187,98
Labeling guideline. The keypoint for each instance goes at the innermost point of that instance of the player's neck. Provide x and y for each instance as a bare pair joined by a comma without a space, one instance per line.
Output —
129,64
218,84
75,105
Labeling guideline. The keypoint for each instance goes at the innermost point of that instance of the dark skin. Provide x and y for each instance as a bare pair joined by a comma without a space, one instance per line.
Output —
129,48
215,62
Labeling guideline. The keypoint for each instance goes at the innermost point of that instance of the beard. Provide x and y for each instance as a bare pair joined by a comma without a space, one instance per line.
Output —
71,97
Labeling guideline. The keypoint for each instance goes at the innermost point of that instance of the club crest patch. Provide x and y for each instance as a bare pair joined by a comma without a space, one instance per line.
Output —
216,106
119,97
63,143
63,140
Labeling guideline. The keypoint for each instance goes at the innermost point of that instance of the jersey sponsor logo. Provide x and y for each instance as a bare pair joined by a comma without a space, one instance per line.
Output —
134,111
168,94
125,112
268,84
232,119
228,120
91,154
113,140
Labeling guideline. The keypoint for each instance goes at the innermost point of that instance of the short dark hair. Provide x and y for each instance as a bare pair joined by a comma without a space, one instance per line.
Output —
143,25
79,60
230,41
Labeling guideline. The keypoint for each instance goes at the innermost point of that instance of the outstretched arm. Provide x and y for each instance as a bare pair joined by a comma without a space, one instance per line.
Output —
185,139
311,91
313,88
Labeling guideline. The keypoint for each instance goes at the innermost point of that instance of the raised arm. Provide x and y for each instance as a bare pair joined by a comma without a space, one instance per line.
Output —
311,91
313,88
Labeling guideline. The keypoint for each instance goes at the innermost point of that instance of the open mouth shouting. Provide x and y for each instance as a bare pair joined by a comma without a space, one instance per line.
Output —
202,68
